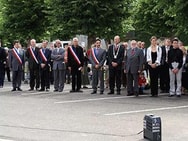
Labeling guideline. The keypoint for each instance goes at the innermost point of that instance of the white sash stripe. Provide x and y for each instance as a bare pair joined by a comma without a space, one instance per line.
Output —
74,55
33,55
94,57
17,56
42,55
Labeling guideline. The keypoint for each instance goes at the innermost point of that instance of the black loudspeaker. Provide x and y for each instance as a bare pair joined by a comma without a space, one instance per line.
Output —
152,128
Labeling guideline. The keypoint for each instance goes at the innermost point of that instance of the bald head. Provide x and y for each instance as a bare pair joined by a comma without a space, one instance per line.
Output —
75,42
33,42
116,39
133,43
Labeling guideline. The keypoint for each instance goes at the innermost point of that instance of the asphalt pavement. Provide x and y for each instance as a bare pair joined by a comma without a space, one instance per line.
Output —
54,116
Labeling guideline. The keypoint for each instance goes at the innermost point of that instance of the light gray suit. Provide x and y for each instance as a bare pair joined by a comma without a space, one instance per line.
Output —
98,73
133,63
16,67
58,68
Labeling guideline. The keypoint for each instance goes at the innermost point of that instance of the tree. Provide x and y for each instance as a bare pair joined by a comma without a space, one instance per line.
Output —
97,18
166,18
24,19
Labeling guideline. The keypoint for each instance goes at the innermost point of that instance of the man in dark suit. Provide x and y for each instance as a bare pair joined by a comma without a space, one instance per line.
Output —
97,59
44,60
2,65
75,64
32,54
133,67
59,66
115,58
16,62
164,67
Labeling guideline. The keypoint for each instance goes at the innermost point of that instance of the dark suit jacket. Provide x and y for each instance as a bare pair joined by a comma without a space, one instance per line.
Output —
2,59
71,61
119,58
47,54
31,61
164,53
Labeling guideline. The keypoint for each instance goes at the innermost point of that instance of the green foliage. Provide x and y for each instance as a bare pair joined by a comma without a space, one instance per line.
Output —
101,18
163,18
24,19
63,19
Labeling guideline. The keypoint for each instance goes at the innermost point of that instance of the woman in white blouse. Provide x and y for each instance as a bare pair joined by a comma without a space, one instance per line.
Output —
153,59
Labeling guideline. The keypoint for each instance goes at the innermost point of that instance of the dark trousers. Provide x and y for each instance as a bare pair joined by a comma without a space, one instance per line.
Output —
123,78
34,78
68,76
76,79
16,78
7,69
45,78
164,78
154,75
2,77
115,78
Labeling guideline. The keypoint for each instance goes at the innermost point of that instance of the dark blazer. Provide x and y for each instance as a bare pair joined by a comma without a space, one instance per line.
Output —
164,54
71,61
175,55
14,64
119,58
47,54
2,58
31,61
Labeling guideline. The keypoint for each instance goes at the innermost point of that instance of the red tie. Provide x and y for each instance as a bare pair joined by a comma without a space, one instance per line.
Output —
132,52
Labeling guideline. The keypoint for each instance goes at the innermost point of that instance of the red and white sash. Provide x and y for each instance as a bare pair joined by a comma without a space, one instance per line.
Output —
74,55
42,55
33,55
94,56
16,55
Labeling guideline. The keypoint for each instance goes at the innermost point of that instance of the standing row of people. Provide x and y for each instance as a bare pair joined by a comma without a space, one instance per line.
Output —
165,61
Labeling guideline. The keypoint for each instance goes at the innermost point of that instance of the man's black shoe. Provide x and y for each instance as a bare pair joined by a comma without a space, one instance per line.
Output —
94,92
60,90
14,89
130,94
179,96
41,90
80,91
19,89
136,94
30,90
111,92
55,90
72,91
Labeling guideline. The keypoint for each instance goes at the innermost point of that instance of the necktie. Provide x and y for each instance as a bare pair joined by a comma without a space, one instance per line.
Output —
132,52
44,51
96,51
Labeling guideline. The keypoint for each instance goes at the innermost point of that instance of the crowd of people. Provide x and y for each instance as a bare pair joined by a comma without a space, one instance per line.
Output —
129,64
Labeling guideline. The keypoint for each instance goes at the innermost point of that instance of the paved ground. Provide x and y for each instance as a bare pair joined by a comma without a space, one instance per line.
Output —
49,116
